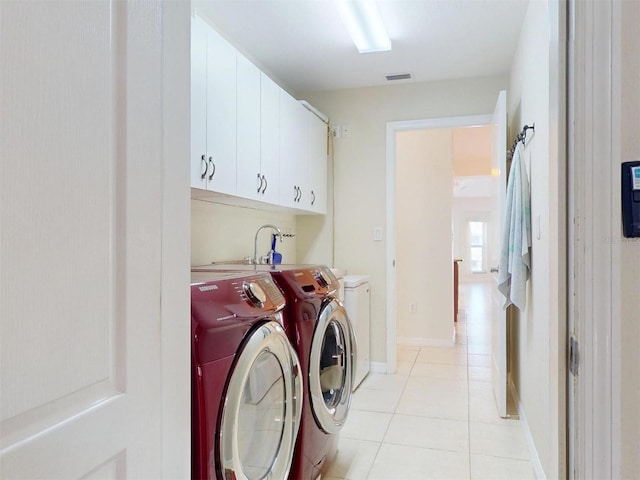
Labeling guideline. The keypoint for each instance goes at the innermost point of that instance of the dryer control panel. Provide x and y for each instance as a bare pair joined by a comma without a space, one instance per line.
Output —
316,280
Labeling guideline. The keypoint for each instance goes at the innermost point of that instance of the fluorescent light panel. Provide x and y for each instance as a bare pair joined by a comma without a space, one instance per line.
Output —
364,23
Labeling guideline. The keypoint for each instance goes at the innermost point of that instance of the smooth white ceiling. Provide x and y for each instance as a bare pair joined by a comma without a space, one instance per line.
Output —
305,47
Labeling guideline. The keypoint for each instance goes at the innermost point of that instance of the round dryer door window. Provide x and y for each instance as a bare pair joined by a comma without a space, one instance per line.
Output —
332,367
261,416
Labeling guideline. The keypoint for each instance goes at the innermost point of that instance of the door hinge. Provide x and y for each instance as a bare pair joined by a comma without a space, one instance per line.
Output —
574,356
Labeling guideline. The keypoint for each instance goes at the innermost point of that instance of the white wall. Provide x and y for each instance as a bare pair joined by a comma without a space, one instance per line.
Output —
424,174
360,162
534,369
223,233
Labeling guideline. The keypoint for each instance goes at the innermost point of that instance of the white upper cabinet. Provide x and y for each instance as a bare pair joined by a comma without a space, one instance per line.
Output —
250,181
250,139
201,163
303,157
258,140
213,110
269,139
221,112
318,136
294,127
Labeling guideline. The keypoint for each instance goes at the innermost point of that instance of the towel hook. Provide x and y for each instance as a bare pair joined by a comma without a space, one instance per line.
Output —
521,137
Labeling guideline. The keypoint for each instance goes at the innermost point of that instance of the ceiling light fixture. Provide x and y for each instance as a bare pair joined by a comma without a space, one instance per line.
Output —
364,23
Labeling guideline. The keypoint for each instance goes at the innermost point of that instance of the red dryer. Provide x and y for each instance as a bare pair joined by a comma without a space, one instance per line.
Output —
246,378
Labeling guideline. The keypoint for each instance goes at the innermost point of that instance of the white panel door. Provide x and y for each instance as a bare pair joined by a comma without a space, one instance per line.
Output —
499,316
80,240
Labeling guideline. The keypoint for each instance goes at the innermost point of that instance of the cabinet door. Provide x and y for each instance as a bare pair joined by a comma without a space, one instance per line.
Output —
290,185
301,151
250,181
270,138
317,199
199,159
221,113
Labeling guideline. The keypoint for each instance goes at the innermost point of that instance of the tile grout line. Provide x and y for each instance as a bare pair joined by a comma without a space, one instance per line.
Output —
392,415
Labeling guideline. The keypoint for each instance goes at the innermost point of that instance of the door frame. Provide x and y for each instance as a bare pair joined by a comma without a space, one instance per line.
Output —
392,129
594,148
176,244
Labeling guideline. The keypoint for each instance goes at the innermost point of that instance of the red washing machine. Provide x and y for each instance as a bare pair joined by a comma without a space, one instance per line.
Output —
319,329
246,379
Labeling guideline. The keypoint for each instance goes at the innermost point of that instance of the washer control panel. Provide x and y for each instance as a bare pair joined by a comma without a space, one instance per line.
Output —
255,293
221,297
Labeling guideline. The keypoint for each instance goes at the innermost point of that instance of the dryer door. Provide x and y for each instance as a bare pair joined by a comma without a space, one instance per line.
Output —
261,414
332,367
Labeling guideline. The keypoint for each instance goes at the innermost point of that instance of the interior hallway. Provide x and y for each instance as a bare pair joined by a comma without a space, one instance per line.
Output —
436,417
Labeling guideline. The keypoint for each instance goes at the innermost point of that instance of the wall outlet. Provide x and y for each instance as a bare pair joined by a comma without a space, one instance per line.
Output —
377,234
413,308
336,131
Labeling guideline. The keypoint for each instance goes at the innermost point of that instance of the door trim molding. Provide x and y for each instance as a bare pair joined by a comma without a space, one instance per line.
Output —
392,129
594,150
176,244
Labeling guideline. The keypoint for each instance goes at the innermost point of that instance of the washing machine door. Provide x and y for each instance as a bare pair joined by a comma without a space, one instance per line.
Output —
332,367
261,415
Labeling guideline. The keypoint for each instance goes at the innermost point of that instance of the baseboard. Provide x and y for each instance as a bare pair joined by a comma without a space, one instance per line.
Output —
378,367
425,342
533,452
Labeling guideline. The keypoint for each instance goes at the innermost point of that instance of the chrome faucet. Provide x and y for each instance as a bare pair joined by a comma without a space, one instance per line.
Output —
255,244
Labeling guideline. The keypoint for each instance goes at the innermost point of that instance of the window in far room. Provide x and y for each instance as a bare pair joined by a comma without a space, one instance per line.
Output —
478,246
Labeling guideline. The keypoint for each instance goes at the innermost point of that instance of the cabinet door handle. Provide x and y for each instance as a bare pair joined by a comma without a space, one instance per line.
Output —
300,196
213,168
295,193
313,199
206,167
266,184
259,184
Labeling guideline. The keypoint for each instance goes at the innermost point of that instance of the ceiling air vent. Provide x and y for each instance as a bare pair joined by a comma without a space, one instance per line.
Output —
399,76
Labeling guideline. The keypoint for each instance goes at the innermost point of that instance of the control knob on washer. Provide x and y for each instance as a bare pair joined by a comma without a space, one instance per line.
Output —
255,294
323,279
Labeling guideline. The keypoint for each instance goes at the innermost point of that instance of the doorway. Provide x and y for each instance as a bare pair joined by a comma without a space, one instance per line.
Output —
393,128
443,212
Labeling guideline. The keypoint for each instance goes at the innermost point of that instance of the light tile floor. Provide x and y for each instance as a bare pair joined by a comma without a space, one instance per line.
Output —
436,417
